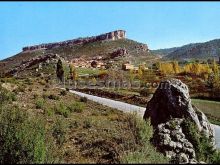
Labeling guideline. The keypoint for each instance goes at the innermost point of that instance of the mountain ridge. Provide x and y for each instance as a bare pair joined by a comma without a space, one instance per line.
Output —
200,50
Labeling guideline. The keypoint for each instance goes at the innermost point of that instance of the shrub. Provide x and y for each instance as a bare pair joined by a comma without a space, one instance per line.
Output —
29,81
49,111
43,82
35,95
145,152
20,88
12,96
76,107
6,96
61,109
215,158
147,155
203,147
74,124
53,97
22,140
40,103
60,131
63,93
83,99
87,123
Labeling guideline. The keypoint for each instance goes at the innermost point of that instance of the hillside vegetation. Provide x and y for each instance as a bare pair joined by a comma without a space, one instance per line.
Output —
43,124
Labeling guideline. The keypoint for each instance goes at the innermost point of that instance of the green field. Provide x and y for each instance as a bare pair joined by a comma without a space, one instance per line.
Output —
89,71
210,108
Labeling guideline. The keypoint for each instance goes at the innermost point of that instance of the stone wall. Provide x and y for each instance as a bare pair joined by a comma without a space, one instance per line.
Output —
115,35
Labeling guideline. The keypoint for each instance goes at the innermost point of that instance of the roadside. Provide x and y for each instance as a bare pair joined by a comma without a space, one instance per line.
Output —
127,108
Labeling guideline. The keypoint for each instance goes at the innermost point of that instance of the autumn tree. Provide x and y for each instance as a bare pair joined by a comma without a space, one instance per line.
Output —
168,67
73,72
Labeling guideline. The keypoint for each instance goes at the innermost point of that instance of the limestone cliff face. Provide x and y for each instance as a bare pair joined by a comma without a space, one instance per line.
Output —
115,35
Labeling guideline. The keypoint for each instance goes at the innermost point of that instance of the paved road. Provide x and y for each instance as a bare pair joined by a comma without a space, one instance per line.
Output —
125,107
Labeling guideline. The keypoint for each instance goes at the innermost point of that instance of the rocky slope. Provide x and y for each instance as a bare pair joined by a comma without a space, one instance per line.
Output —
169,110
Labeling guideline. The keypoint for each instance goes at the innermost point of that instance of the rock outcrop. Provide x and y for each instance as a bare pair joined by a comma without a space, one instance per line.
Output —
168,108
120,52
118,34
37,60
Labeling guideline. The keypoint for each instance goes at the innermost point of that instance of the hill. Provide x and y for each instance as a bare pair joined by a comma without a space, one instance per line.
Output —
86,48
193,51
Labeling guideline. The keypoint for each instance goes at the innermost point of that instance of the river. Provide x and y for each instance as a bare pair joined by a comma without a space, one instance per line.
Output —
125,107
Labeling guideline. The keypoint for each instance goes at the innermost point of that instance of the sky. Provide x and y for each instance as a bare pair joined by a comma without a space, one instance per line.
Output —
158,24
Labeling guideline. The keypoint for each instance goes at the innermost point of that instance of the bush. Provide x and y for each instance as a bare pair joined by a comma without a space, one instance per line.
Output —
215,158
87,123
40,103
60,131
204,149
42,82
49,111
76,107
28,81
63,93
6,96
149,155
83,99
53,97
22,140
13,96
61,109
35,95
20,88
144,152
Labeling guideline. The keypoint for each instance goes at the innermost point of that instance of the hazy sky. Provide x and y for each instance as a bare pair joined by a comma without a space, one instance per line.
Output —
158,24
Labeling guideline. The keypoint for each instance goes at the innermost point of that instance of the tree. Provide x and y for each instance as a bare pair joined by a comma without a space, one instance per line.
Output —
60,71
73,72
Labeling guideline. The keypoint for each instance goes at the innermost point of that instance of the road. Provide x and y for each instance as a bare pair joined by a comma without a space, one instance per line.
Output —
125,107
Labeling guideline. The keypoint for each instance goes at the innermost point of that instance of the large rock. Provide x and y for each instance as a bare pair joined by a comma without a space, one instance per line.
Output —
171,100
169,106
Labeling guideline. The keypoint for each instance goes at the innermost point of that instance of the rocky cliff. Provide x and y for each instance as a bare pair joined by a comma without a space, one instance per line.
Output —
115,35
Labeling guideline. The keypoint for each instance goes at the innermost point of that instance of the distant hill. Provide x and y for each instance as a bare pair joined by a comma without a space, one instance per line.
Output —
199,51
164,52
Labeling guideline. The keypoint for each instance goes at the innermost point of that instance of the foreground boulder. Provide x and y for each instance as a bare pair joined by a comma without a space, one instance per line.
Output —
169,107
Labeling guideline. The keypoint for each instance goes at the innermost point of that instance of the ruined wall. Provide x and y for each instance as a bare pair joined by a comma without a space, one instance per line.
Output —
118,34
